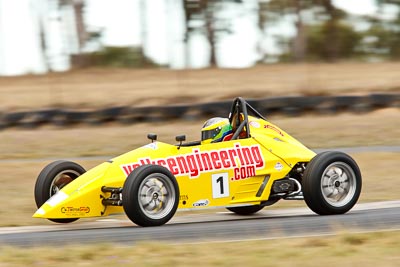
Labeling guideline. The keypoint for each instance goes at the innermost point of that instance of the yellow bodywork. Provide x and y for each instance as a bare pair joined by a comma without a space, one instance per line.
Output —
230,173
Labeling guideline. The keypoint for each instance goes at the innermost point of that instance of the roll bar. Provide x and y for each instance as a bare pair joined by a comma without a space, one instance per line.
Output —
240,106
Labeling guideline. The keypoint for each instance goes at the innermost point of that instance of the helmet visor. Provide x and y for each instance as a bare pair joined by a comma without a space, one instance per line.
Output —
210,134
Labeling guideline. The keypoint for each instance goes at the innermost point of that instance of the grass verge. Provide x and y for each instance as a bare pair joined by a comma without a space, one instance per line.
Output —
367,250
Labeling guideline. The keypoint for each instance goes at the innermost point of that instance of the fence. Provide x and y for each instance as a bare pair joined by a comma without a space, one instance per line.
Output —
292,106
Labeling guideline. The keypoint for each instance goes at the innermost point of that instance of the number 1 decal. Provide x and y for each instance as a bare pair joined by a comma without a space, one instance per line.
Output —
220,185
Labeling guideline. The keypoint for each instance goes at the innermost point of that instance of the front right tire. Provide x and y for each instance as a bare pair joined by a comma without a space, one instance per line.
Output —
331,183
150,195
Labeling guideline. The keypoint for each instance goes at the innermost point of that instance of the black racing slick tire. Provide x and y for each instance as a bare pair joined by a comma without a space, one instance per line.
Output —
52,178
246,210
331,183
150,195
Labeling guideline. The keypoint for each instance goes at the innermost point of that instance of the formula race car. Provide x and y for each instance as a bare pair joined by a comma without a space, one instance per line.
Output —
253,165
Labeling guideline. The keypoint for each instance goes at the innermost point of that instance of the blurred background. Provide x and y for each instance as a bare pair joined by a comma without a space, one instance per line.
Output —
41,36
87,80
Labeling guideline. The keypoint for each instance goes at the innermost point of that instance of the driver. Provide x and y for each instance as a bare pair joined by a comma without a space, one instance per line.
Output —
216,130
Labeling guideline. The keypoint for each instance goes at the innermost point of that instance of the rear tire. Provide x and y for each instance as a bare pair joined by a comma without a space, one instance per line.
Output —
52,178
331,183
246,210
150,195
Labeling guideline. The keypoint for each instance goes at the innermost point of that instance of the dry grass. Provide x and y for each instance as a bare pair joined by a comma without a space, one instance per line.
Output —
380,179
18,180
366,250
91,88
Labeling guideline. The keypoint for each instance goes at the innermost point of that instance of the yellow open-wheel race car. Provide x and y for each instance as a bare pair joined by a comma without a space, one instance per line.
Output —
255,165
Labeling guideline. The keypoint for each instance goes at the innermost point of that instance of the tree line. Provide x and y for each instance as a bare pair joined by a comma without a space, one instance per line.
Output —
327,33
322,31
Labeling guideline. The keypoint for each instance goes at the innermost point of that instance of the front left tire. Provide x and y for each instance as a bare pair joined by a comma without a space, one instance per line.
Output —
52,179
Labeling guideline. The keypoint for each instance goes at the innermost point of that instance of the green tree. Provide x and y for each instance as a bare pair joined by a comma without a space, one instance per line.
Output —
345,42
387,32
320,28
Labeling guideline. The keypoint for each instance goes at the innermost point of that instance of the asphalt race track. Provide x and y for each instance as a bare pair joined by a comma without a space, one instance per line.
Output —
213,226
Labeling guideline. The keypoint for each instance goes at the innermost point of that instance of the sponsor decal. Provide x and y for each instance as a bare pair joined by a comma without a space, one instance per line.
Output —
245,160
268,126
243,173
278,166
75,210
201,203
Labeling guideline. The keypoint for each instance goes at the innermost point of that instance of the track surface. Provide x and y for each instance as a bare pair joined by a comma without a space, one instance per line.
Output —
222,226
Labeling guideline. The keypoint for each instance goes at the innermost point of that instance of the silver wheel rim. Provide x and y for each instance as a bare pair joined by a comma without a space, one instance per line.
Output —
338,184
62,179
156,196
